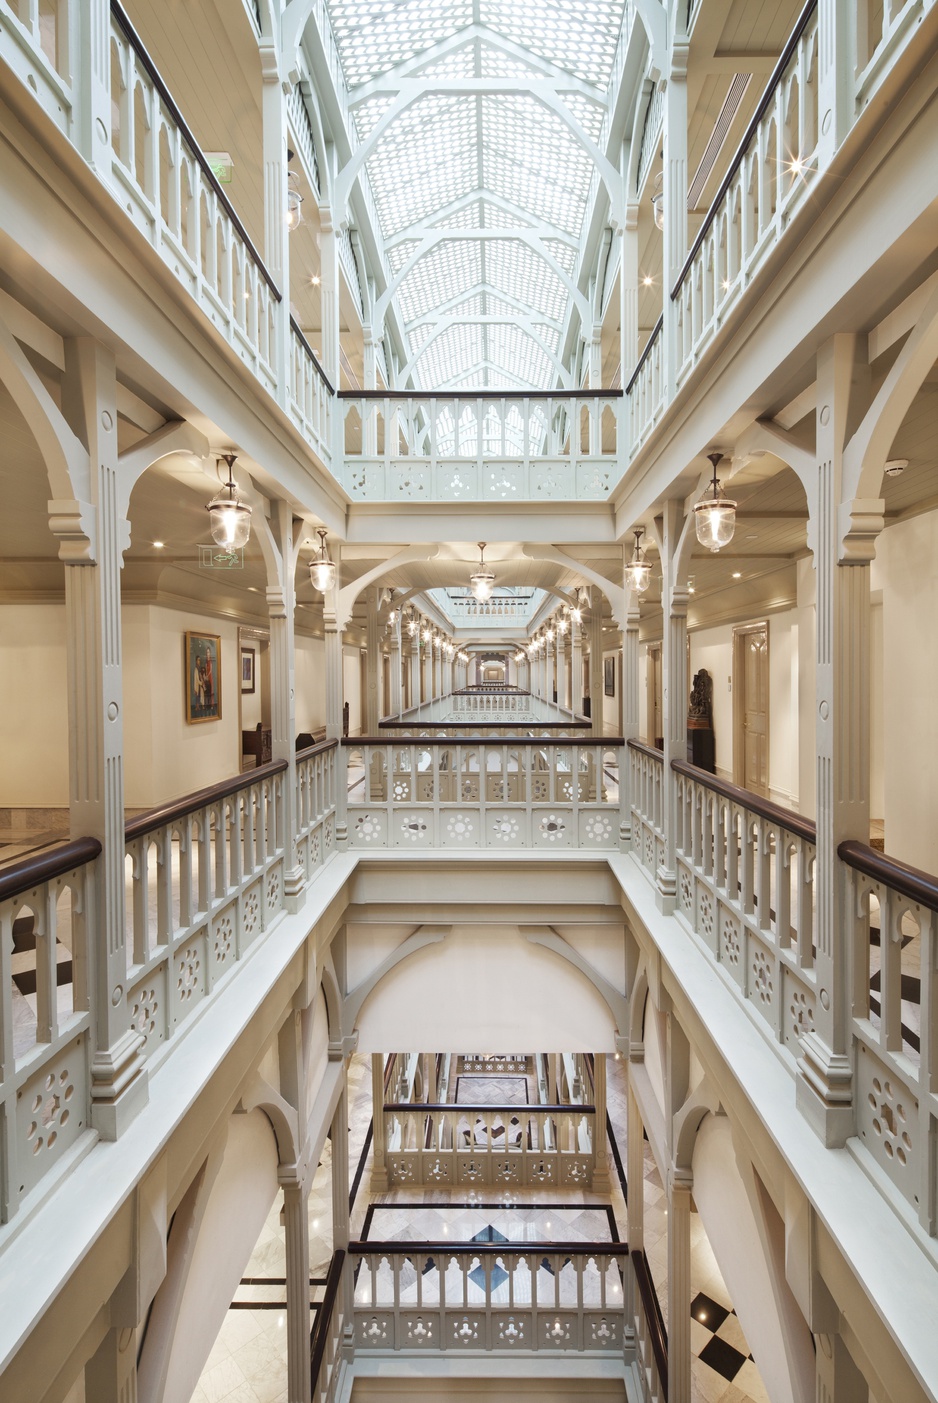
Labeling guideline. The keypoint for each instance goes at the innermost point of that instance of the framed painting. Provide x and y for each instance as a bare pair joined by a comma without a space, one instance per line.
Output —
609,676
248,661
203,677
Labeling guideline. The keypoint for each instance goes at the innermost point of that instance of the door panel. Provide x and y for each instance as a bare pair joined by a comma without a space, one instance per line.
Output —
752,708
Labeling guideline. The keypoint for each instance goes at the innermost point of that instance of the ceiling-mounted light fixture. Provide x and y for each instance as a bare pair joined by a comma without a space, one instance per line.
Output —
412,622
657,200
294,212
322,570
714,514
482,580
638,570
562,624
229,514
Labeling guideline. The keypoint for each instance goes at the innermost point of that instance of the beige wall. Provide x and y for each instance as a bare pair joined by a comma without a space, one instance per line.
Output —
33,705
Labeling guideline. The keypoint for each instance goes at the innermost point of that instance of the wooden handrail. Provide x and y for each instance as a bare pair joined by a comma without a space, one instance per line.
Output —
120,14
319,748
748,135
607,742
646,352
920,887
783,818
432,1106
488,1249
319,1335
651,751
489,725
168,813
656,1326
298,333
33,869
479,395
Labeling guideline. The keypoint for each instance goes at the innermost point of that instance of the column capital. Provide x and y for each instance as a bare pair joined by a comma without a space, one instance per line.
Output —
72,523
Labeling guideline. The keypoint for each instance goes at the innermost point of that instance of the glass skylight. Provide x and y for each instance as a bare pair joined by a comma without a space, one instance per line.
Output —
458,170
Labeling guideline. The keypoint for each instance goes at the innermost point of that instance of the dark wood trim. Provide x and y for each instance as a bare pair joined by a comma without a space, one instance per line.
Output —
480,395
429,1106
656,1325
156,818
651,751
36,868
486,1249
490,725
298,333
655,333
608,742
318,749
920,887
742,148
120,14
319,1335
782,818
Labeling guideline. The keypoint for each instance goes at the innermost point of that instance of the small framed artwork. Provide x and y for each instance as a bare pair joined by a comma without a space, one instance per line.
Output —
203,677
609,676
248,659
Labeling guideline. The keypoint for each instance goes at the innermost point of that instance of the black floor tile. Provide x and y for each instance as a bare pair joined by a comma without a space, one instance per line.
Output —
708,1311
722,1357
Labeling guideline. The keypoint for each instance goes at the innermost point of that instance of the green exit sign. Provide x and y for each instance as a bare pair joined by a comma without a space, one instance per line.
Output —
221,165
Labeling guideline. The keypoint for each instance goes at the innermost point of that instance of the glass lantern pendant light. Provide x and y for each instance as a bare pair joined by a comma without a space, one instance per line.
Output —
482,580
294,211
638,570
322,570
714,514
229,514
657,200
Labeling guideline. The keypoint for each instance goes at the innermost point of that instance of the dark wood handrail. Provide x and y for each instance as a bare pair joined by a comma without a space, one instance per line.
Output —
32,869
656,1326
168,813
651,751
489,725
319,748
646,352
300,336
608,742
120,14
920,887
489,1249
480,395
430,1106
748,135
782,818
319,1335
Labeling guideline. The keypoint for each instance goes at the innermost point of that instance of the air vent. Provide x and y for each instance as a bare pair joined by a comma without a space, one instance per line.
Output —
718,136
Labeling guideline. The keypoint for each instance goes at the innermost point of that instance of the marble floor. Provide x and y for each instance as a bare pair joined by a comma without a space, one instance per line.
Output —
247,1363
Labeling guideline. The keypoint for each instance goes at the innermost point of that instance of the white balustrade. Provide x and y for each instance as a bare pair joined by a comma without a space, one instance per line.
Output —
651,1340
524,1146
646,770
645,390
892,937
533,447
315,804
310,396
553,1297
46,906
883,26
768,181
482,794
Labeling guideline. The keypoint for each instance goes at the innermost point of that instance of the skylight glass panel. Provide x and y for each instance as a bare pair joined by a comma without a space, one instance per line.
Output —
494,217
426,160
532,159
514,350
367,114
565,254
454,351
470,217
399,254
516,269
579,37
374,35
444,272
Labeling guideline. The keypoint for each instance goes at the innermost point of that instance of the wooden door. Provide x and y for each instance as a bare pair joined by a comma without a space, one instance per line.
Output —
654,710
751,708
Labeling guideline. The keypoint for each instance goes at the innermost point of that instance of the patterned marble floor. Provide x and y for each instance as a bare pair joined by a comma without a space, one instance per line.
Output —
247,1363
492,1091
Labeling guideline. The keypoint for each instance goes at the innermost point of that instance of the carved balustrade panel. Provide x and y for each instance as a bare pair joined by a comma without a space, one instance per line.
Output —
527,1146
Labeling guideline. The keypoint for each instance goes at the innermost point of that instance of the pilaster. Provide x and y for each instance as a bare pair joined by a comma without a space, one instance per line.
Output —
296,1245
673,694
630,712
276,180
379,1167
680,1184
675,197
372,650
95,704
596,660
601,1166
395,663
111,1372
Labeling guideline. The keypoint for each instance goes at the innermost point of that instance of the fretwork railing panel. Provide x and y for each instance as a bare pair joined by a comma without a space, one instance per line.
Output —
315,805
892,934
524,1146
646,767
309,395
547,1297
473,447
201,887
45,1015
473,794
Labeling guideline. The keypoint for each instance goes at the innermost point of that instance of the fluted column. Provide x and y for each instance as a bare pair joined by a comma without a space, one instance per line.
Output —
679,1287
276,181
562,669
95,713
379,1167
296,1252
630,714
601,1166
596,660
340,1186
372,659
414,644
395,663
576,667
675,198
674,693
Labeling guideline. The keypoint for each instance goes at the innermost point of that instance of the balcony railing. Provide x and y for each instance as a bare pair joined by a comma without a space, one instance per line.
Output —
204,880
482,794
523,1146
746,887
478,1297
476,447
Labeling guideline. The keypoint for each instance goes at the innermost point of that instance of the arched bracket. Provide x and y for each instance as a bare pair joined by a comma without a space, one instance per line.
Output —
616,1002
261,1096
346,597
702,1101
419,940
618,601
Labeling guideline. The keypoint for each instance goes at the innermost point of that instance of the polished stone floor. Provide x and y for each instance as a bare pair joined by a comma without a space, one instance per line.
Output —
247,1363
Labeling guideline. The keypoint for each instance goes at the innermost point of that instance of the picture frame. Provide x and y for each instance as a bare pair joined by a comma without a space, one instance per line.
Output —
609,676
248,664
202,682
